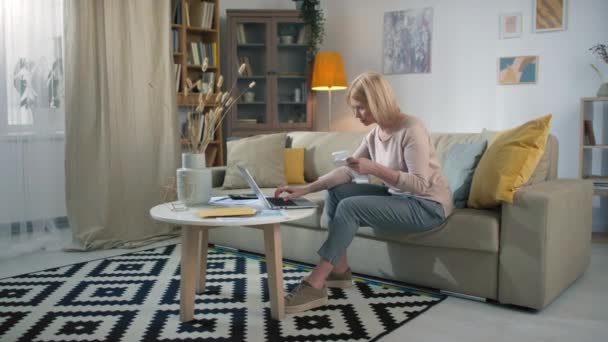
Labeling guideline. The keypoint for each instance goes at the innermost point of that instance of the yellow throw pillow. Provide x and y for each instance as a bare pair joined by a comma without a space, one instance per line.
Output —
508,163
294,165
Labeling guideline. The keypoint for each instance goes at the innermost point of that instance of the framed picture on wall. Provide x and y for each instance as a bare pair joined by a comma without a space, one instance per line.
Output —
517,70
407,40
510,25
549,15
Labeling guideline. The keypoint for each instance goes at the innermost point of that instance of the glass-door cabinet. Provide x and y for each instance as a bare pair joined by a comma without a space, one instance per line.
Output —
271,44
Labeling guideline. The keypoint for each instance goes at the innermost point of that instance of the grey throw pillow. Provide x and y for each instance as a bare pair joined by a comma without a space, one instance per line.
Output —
262,155
459,167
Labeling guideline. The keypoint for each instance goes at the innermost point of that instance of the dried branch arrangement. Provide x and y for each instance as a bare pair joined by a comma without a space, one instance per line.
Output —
201,124
600,51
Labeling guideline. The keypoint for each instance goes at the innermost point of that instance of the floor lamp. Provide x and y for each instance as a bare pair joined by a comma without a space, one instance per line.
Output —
328,75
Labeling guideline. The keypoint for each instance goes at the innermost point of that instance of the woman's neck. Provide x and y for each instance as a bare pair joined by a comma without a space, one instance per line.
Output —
385,132
390,127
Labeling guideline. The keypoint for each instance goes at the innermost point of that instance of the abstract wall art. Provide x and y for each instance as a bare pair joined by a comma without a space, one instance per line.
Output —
549,15
407,41
517,70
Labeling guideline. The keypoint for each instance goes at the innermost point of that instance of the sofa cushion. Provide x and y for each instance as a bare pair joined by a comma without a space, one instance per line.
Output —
294,165
547,166
319,146
458,168
466,228
444,142
508,163
262,155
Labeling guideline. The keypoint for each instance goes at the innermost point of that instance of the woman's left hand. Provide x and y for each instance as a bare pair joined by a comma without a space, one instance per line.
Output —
362,166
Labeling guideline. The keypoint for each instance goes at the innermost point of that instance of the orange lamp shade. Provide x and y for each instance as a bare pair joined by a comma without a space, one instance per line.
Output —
328,72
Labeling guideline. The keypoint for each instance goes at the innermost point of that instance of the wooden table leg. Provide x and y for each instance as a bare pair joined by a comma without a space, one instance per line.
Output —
203,249
274,260
189,272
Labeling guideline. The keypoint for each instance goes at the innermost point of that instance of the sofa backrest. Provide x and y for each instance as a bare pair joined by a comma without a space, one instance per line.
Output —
319,146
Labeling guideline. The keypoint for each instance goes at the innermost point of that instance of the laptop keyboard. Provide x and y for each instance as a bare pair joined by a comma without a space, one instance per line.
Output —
280,202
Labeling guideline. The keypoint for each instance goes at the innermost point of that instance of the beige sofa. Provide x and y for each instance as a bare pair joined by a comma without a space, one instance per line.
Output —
525,253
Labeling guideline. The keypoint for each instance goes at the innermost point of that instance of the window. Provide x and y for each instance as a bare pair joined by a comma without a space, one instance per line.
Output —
31,66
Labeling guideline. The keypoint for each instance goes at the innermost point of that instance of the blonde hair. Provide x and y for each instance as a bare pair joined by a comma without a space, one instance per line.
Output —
373,90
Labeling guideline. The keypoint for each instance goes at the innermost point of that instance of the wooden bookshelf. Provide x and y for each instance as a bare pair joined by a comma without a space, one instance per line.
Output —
196,21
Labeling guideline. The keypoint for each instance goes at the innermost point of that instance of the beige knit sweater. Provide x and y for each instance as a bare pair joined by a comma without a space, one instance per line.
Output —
410,151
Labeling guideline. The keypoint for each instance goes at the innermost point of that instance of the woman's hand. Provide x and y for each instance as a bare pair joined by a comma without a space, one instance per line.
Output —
362,166
291,191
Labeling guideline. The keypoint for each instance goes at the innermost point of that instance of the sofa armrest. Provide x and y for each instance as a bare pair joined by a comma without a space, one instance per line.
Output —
217,175
545,241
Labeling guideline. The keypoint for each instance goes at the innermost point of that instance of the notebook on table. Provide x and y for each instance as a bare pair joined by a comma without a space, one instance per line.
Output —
274,202
230,211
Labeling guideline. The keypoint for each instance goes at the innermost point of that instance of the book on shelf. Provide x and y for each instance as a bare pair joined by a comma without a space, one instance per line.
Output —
588,132
187,13
201,14
177,68
198,52
301,34
175,41
240,34
177,12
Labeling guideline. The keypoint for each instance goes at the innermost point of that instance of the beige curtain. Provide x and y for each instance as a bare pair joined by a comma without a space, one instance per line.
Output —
121,121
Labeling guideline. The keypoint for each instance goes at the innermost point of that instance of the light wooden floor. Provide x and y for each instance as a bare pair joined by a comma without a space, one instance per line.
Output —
580,314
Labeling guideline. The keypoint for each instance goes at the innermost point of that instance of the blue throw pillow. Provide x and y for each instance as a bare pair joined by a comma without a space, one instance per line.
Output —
459,166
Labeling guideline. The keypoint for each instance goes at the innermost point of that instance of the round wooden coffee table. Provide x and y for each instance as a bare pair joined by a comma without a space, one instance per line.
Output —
195,237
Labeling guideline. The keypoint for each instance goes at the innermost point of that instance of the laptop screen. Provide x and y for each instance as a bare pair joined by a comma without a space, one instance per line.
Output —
252,184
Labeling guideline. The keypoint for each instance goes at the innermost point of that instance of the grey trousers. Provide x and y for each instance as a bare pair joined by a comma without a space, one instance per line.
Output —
351,205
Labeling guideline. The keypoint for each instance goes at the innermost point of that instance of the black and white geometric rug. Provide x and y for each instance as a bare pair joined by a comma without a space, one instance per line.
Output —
135,297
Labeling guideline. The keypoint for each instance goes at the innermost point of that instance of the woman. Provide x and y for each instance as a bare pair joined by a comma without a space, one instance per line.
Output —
415,197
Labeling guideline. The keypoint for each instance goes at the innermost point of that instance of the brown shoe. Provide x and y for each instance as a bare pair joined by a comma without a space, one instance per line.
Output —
305,297
342,280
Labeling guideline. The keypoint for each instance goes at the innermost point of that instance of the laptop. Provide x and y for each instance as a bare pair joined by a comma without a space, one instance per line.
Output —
274,202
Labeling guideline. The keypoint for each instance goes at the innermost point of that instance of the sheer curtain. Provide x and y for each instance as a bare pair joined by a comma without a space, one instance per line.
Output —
32,142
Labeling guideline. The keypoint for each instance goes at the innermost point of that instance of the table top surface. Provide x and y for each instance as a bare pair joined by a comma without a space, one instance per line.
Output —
165,213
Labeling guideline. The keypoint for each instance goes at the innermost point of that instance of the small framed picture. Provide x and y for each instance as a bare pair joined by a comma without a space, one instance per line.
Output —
510,25
517,70
549,15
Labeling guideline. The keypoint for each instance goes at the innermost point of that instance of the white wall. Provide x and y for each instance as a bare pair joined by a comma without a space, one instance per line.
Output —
461,92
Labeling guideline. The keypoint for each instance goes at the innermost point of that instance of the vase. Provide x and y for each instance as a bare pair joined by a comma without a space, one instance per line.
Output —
603,91
193,180
193,160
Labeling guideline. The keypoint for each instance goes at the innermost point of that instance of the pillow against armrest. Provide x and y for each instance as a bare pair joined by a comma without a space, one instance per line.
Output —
294,165
541,173
262,155
459,167
508,163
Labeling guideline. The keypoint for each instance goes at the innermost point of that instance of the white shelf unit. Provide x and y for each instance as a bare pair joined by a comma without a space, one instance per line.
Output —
593,155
